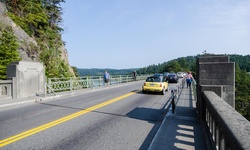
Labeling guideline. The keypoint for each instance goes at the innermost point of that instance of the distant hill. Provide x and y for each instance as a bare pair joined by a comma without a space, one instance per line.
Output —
100,71
189,63
178,64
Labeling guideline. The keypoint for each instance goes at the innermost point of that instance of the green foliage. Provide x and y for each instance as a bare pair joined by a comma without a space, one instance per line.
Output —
242,88
41,19
8,50
173,66
29,15
75,71
180,64
242,61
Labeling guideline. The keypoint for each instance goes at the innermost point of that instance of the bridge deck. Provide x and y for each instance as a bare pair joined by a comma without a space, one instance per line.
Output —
181,130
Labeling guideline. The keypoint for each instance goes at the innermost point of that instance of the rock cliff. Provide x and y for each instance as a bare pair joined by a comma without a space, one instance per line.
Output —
24,49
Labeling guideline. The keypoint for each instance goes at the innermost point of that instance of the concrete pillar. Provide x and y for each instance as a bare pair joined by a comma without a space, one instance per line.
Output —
28,78
215,73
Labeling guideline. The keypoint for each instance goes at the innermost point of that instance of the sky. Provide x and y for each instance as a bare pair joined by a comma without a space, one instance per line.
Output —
123,34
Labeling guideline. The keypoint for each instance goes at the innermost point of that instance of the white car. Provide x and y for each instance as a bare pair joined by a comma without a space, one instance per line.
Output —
180,74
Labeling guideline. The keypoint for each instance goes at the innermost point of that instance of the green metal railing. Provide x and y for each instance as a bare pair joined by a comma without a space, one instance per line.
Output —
76,83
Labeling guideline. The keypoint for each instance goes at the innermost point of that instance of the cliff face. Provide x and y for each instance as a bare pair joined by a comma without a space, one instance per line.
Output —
19,33
22,36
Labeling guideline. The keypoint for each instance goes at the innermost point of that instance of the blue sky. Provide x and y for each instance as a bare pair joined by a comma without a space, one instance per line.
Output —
122,34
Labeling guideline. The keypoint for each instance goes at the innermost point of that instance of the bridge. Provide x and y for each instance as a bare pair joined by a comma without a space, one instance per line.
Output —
204,117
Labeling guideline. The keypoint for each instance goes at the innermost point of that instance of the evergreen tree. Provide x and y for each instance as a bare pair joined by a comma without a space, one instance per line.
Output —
183,63
8,50
242,88
173,66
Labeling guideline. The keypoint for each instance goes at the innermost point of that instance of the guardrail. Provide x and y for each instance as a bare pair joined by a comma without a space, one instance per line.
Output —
175,94
70,84
228,129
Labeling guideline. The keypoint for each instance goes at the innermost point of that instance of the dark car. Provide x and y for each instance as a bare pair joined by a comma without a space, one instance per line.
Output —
172,78
158,74
165,74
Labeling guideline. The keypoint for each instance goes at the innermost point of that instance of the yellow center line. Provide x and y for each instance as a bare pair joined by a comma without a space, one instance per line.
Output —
30,132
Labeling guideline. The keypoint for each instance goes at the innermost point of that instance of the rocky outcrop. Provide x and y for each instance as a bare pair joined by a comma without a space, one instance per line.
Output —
19,33
25,40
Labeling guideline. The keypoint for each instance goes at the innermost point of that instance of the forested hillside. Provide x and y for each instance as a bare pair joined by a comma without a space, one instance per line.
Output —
40,20
189,63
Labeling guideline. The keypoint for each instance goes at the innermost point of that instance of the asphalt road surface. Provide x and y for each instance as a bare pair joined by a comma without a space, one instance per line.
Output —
111,118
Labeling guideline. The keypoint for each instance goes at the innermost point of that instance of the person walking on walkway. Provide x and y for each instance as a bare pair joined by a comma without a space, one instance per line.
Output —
134,75
189,79
106,78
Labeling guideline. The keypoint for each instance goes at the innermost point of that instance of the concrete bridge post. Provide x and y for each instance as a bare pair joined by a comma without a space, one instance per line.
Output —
215,73
28,79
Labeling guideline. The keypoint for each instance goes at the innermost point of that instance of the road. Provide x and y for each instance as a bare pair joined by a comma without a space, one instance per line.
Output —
111,118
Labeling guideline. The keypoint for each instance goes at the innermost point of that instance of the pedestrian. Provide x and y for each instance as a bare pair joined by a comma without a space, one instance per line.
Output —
134,75
106,78
189,79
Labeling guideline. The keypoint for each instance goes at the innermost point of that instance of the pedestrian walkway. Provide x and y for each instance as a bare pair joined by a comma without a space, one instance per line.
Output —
181,130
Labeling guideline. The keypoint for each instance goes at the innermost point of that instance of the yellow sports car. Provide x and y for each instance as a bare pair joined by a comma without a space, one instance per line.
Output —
155,84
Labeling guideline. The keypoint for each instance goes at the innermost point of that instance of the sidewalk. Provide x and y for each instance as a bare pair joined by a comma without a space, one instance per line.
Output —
33,99
182,129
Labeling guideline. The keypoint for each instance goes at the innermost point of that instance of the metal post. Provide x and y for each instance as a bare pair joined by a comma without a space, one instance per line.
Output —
120,79
173,102
70,84
49,83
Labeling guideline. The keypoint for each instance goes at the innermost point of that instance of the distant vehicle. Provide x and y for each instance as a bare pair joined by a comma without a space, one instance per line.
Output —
172,78
158,74
155,84
180,74
165,74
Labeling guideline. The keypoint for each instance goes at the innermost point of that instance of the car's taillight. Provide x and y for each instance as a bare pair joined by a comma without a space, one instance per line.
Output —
144,84
160,85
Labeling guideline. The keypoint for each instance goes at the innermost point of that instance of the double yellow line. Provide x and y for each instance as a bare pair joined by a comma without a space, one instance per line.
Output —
30,132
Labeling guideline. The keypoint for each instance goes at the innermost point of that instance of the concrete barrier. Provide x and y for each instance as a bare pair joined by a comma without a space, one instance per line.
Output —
228,129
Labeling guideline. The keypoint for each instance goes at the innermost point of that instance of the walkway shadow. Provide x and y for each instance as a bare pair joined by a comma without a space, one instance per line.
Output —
182,133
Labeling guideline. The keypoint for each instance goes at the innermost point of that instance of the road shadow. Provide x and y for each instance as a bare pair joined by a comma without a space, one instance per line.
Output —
153,116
